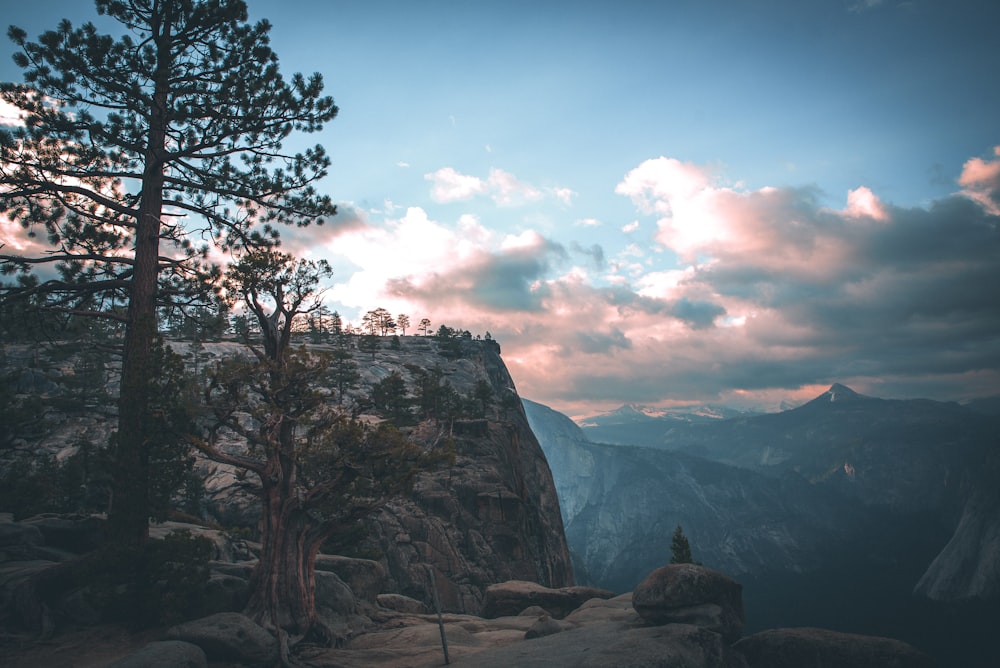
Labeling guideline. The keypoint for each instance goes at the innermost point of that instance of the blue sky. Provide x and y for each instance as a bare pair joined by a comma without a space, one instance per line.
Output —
664,202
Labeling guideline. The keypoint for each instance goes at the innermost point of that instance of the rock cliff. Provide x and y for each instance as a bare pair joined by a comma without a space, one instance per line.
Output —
491,516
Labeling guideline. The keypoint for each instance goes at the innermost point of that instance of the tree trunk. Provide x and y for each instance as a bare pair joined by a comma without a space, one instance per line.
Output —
128,516
283,585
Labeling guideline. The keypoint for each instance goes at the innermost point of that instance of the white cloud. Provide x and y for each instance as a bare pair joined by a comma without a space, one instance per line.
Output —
862,202
587,222
526,239
564,195
631,227
507,190
450,186
658,184
412,244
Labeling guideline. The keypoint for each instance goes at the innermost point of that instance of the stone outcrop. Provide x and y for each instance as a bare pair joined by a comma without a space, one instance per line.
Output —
366,578
821,648
691,594
400,603
968,568
491,516
543,626
599,632
513,597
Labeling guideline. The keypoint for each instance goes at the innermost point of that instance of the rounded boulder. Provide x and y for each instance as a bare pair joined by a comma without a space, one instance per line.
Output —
691,594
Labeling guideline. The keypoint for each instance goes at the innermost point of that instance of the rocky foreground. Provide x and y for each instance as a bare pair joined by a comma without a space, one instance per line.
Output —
680,616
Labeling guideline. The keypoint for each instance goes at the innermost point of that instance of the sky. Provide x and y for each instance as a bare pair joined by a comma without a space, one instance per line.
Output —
735,202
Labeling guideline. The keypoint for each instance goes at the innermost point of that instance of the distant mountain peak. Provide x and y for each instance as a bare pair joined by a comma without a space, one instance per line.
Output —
841,393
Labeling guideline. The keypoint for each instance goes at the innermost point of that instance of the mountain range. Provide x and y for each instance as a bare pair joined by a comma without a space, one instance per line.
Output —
849,512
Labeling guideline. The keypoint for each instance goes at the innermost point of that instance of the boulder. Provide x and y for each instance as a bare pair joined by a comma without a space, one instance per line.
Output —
333,594
618,609
815,648
512,597
532,611
543,626
691,594
400,603
229,636
165,654
366,578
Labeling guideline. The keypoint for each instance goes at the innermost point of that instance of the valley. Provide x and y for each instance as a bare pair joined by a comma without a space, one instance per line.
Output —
848,512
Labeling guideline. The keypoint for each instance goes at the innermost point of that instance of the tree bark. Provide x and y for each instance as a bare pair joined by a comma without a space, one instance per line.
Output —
128,516
283,584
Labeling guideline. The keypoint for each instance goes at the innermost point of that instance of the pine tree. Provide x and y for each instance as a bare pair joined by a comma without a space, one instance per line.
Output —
680,549
131,148
318,471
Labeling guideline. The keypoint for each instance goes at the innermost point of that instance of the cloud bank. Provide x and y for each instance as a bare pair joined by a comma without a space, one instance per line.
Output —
769,294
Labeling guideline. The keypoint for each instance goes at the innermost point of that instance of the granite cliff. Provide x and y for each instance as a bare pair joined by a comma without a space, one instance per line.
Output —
490,516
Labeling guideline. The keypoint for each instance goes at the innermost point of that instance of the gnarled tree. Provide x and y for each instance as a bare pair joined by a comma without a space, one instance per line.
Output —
319,471
131,149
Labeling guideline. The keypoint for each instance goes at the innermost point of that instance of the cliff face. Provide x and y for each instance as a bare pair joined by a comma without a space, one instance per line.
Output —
491,516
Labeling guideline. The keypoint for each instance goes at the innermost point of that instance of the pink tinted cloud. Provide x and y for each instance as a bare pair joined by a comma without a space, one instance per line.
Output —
863,203
769,229
776,298
507,190
451,186
775,295
980,181
504,188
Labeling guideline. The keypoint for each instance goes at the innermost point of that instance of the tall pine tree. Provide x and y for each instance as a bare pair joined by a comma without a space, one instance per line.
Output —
131,147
